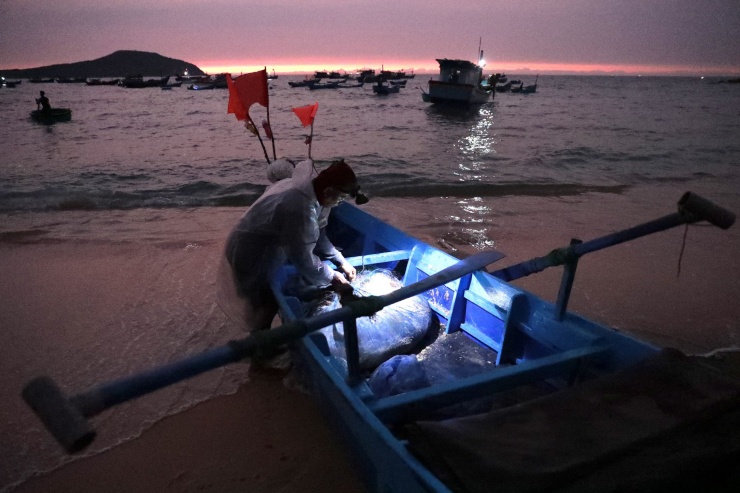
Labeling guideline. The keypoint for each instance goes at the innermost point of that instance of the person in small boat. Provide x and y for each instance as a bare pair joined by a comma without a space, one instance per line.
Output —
287,223
42,102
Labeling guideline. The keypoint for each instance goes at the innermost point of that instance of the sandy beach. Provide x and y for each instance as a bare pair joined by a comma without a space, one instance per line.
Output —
78,271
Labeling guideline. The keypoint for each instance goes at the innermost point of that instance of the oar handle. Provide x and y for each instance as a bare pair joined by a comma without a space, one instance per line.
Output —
691,208
64,416
696,208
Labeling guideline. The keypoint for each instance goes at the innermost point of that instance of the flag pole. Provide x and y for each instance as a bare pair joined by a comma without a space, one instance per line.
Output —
264,149
272,138
310,141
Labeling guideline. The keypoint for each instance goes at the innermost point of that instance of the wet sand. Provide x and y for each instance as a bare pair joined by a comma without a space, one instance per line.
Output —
266,437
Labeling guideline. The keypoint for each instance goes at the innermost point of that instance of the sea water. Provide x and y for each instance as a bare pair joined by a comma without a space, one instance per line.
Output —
130,148
143,165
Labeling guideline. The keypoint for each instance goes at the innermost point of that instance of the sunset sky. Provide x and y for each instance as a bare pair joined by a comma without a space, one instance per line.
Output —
696,37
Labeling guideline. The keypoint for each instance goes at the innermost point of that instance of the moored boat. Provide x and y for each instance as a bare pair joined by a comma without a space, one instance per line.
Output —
201,87
100,82
459,82
138,82
70,80
324,85
381,88
52,115
303,83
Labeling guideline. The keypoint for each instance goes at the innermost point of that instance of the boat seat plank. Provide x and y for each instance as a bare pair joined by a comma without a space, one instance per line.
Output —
379,258
595,428
421,402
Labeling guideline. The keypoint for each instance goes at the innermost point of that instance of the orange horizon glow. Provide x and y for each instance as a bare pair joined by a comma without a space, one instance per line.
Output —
295,67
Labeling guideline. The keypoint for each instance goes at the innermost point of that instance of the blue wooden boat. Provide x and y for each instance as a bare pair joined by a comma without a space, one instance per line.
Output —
568,404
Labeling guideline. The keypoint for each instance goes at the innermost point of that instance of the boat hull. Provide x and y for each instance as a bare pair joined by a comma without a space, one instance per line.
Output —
450,92
479,307
55,115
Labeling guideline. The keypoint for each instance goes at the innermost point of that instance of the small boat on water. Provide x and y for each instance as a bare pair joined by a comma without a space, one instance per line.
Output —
40,80
52,116
324,85
70,80
138,82
381,88
459,82
272,76
303,83
201,87
505,87
9,83
510,393
366,75
344,85
522,89
100,82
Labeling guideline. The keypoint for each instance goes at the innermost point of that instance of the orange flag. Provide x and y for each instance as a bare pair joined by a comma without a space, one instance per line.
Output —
307,113
246,90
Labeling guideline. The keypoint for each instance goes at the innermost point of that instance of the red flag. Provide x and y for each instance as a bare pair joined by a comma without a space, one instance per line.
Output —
245,91
307,113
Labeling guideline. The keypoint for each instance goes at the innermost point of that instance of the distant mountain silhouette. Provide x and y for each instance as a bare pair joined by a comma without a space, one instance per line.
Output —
117,64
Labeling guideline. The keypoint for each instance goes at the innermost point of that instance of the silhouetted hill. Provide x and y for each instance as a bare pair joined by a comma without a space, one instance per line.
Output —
117,64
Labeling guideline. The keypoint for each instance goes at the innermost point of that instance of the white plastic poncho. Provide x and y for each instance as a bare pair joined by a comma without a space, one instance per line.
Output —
284,224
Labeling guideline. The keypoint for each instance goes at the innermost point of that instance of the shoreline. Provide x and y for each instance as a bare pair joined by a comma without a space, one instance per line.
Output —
263,438
632,287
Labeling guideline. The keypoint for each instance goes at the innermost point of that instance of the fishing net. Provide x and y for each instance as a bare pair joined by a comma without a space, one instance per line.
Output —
396,329
450,357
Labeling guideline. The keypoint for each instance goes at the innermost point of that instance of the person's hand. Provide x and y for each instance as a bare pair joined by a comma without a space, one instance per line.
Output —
340,285
349,271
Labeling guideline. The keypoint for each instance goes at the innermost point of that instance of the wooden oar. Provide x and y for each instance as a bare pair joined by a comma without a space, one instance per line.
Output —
691,208
65,417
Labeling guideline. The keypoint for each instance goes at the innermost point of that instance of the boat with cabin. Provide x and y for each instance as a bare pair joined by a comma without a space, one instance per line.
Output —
503,391
459,82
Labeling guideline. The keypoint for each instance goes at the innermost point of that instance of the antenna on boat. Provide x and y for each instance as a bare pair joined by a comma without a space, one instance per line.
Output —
480,53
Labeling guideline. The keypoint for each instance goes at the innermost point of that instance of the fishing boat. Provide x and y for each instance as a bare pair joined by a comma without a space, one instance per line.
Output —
366,75
324,85
201,87
70,80
9,83
522,89
459,82
100,82
303,83
138,82
381,88
343,84
52,115
527,395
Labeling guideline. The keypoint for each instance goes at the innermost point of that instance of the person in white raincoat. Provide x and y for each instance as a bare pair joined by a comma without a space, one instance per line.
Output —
287,224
